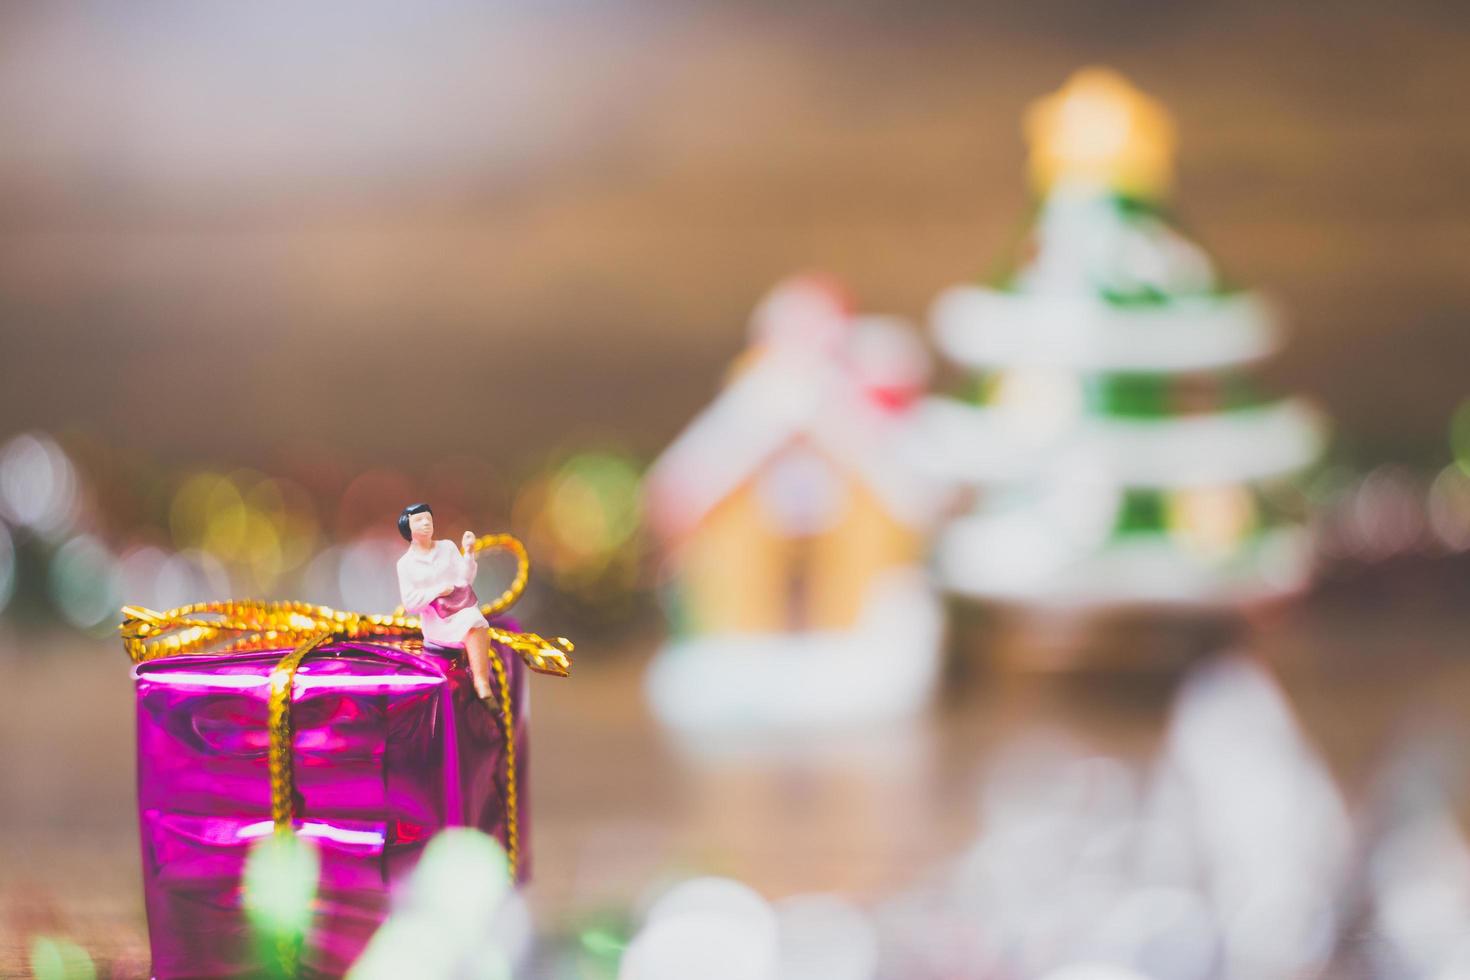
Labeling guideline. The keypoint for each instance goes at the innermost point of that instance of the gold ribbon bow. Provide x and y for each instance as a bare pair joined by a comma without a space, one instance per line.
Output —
234,626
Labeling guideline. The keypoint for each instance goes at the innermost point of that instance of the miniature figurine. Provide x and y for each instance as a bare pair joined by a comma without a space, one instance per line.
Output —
436,582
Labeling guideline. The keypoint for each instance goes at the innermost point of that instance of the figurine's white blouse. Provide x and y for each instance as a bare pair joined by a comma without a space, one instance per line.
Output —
423,575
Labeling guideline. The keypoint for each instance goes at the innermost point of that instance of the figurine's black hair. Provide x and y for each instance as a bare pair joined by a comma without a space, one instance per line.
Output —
408,512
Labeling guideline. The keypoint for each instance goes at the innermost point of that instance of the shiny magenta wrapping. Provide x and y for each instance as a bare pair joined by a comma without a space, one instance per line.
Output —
390,745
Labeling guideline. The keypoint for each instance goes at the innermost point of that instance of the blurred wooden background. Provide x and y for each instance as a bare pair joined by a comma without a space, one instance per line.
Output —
399,230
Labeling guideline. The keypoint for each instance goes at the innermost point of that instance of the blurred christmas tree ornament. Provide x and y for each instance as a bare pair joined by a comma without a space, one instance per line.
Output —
1122,451
353,732
792,522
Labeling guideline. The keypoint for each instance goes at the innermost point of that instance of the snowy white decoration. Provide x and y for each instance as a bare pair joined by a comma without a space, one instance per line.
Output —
882,669
981,327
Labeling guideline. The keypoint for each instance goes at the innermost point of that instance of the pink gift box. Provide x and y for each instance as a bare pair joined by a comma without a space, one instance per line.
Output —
390,745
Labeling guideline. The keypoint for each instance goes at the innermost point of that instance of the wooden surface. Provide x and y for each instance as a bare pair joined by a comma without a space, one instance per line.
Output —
619,806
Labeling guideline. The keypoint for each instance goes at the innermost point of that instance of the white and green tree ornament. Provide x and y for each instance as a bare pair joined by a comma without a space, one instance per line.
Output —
1121,450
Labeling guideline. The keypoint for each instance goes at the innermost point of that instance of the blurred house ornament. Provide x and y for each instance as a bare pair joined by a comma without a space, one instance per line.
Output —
360,735
1123,452
792,522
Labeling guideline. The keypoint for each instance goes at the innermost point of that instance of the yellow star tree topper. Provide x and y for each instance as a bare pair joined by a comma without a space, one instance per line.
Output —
1098,130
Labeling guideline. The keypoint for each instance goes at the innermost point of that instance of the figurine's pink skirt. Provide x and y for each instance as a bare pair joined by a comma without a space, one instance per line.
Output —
449,619
450,631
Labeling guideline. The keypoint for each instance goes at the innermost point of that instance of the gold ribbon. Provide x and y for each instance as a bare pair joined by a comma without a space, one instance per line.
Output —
240,625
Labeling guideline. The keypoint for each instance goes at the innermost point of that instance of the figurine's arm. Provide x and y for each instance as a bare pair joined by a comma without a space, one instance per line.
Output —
417,595
471,566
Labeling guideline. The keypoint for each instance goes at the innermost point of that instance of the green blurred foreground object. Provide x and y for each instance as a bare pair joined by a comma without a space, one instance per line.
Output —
60,959
280,884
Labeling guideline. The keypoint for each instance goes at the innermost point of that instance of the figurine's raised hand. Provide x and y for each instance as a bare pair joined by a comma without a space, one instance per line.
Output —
467,542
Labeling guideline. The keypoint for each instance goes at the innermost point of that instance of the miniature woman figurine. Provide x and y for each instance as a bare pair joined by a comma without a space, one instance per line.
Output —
436,582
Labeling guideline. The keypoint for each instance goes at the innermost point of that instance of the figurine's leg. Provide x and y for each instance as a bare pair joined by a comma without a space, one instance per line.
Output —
477,651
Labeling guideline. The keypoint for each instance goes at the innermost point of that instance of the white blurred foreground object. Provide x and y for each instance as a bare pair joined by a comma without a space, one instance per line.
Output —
1272,829
1416,884
793,522
718,929
1224,858
707,927
825,937
1095,971
458,918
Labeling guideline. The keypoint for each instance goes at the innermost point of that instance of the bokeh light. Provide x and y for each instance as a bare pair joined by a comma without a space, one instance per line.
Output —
371,503
1387,513
1460,435
38,485
367,576
463,878
414,945
1420,880
825,936
279,888
457,917
55,958
153,577
84,579
581,518
1095,971
7,567
1449,508
1211,521
260,526
715,928
321,580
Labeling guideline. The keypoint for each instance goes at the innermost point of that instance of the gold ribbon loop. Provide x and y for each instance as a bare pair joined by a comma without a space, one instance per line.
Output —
241,625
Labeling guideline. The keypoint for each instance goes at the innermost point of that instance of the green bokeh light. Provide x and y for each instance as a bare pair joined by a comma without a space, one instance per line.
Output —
60,959
280,883
1460,436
